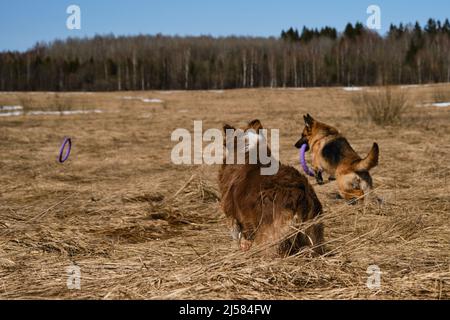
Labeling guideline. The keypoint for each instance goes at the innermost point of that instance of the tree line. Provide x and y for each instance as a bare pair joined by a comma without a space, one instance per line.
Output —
408,53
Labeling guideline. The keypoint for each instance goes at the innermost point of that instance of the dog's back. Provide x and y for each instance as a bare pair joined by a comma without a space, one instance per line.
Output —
350,170
337,151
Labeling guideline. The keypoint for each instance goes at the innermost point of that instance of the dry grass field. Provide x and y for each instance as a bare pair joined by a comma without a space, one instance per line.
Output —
140,227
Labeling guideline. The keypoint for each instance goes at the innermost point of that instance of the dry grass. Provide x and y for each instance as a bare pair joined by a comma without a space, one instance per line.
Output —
53,102
384,106
441,94
142,228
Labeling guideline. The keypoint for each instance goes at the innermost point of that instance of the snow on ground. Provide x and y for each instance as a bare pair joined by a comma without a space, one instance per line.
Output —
290,89
10,108
152,100
441,104
62,113
352,88
437,104
11,114
145,100
48,113
409,86
75,93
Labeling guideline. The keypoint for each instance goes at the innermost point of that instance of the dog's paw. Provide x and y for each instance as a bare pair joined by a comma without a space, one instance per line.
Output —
319,180
336,196
245,244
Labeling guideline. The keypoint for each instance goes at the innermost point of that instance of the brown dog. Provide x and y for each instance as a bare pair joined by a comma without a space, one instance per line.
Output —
268,208
331,153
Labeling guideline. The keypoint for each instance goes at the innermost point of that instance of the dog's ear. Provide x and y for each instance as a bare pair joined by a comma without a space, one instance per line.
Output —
309,121
225,135
228,127
255,125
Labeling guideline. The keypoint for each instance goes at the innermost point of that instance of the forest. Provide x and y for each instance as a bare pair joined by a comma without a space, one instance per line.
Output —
356,56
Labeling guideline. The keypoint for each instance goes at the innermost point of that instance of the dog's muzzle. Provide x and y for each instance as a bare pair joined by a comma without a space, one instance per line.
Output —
301,142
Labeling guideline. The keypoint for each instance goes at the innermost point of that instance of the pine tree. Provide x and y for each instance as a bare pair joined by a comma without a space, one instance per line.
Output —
349,31
446,27
431,27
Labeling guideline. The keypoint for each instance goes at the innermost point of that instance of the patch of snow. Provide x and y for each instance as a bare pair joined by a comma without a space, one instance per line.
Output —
410,86
75,93
437,104
63,113
290,89
145,100
152,100
441,104
48,113
10,108
11,114
352,88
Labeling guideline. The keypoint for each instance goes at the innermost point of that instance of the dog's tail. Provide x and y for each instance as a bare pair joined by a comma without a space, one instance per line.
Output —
370,161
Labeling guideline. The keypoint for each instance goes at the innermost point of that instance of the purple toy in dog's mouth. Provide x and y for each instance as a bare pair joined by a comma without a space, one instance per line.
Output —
305,167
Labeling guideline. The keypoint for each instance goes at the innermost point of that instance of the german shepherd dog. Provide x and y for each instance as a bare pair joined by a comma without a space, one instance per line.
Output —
268,208
332,153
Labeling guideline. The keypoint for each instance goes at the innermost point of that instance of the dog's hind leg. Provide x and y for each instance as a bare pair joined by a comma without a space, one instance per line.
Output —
316,238
317,170
349,190
366,185
367,188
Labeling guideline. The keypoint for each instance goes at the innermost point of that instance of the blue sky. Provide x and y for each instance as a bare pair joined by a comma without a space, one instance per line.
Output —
24,22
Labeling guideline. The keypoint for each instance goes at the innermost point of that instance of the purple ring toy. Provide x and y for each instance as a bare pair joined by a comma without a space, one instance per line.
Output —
63,158
308,171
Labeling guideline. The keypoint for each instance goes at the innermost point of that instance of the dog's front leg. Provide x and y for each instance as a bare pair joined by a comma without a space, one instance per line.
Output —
235,229
317,170
318,176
